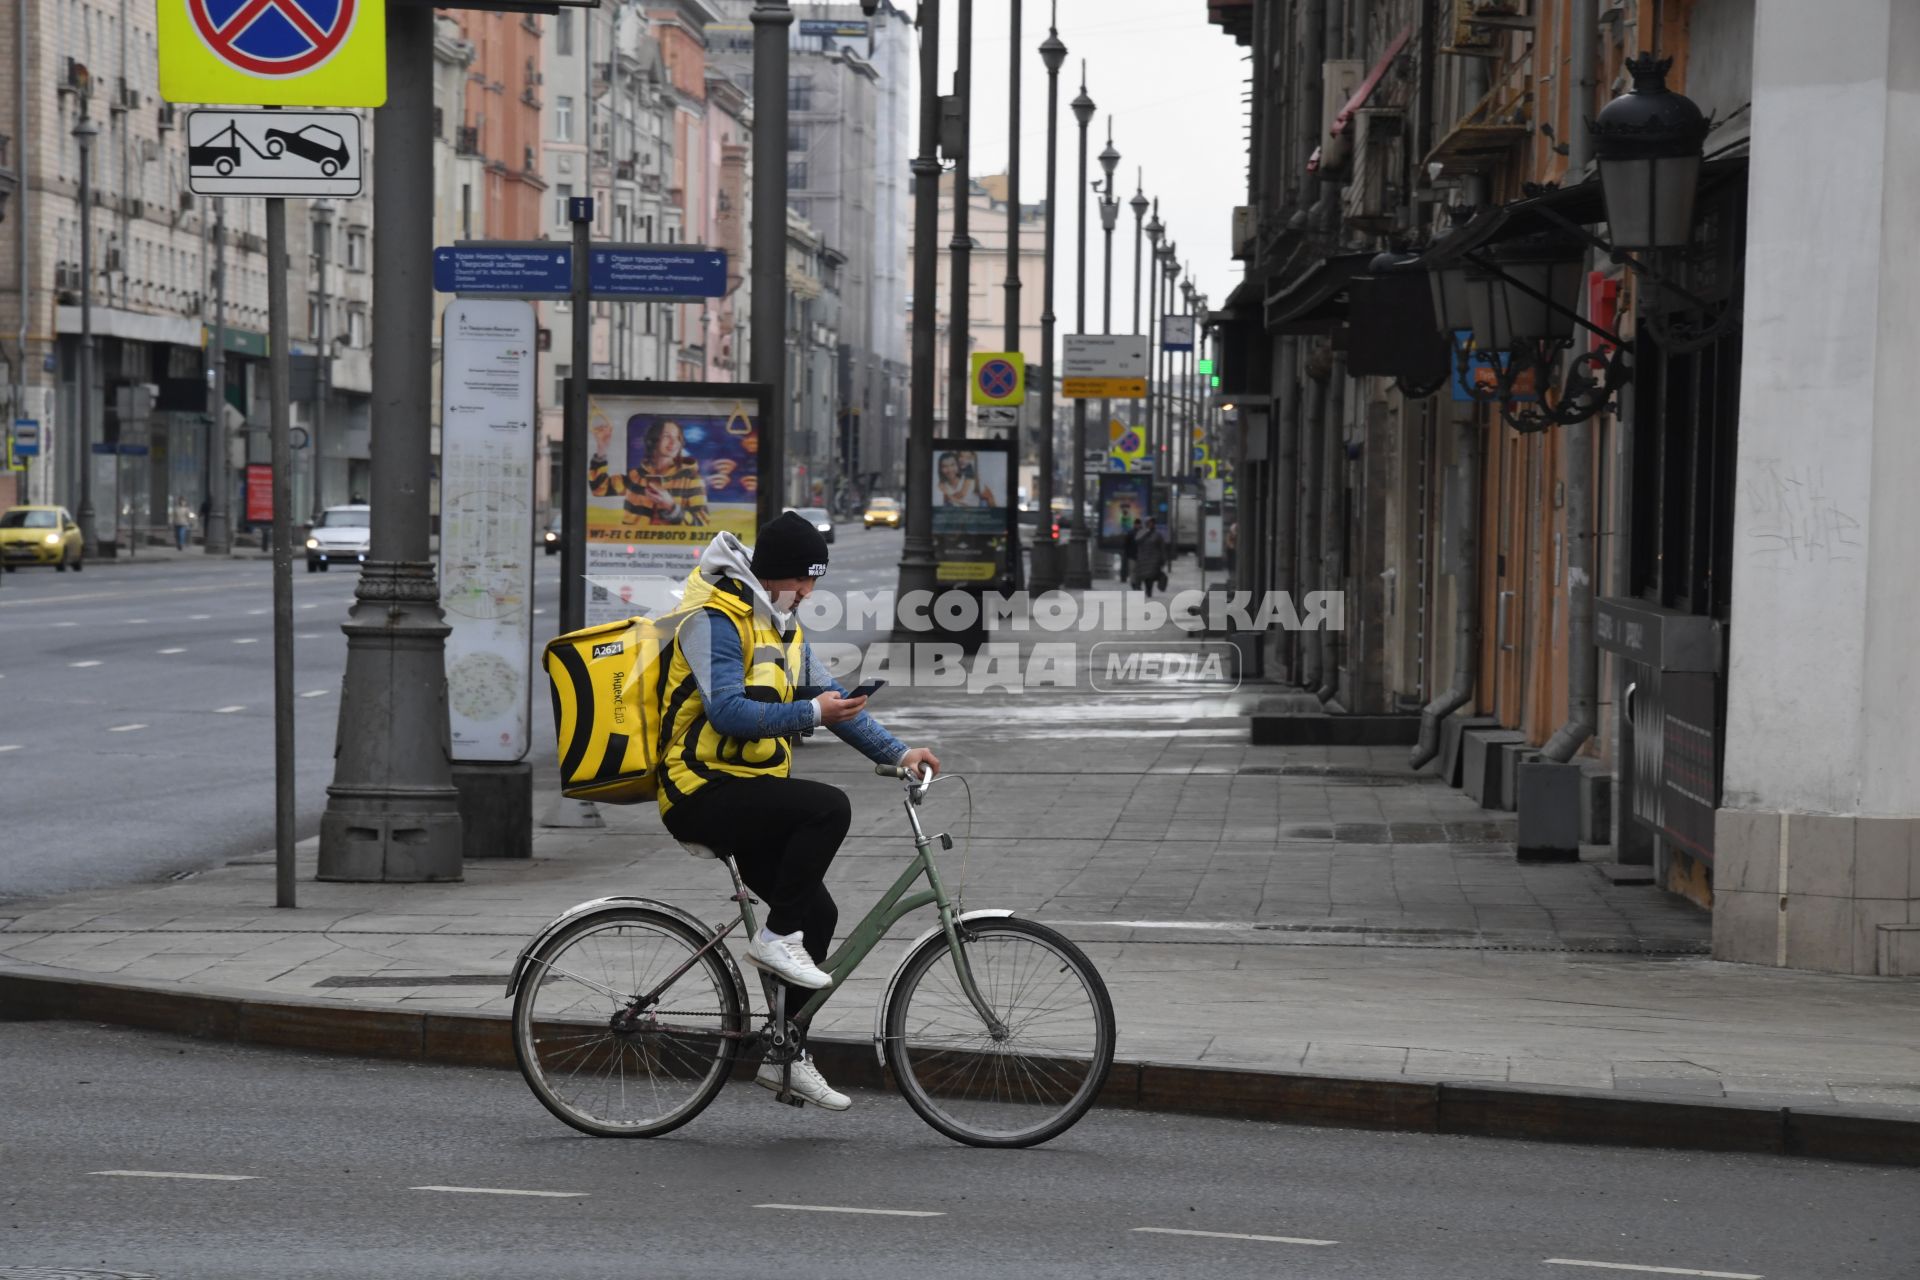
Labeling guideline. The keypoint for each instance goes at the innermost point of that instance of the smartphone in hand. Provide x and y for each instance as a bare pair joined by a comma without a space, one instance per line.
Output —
867,690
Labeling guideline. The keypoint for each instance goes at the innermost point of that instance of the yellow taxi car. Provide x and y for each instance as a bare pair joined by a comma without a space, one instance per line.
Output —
883,512
40,535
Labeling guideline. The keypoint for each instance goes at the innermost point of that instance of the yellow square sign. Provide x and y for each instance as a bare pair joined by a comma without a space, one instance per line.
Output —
274,53
999,378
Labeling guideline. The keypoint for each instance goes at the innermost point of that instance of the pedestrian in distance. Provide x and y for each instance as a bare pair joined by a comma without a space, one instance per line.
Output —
182,522
1149,556
741,685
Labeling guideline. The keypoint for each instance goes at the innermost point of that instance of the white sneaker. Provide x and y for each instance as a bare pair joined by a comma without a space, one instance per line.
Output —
807,1084
786,959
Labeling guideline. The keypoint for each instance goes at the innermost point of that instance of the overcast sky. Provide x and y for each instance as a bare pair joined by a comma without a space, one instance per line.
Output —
1172,83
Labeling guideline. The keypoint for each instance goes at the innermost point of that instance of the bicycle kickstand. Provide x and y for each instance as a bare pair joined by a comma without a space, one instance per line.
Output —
785,1048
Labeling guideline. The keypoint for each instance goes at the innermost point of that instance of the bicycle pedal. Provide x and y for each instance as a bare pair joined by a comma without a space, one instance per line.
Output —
793,1100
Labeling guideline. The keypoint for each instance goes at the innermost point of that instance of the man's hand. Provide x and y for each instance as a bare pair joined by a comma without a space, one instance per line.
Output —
837,708
915,759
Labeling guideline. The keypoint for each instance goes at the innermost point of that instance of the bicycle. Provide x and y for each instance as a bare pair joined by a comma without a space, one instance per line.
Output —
630,1014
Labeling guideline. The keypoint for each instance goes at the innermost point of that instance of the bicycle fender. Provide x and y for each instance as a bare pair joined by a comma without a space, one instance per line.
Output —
598,906
886,998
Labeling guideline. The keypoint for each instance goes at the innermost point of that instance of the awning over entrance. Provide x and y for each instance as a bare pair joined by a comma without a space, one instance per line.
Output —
1316,300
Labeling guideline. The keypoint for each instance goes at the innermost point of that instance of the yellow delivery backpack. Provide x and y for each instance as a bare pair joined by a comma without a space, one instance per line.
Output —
607,713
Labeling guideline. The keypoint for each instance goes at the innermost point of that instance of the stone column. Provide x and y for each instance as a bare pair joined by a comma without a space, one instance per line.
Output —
1817,845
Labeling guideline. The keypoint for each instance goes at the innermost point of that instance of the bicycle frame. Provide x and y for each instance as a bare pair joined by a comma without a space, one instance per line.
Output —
893,906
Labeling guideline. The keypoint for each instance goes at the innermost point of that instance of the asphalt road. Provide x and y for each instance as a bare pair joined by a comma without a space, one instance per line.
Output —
317,1166
136,709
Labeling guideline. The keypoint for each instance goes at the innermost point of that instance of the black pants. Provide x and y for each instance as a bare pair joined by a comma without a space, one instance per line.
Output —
782,833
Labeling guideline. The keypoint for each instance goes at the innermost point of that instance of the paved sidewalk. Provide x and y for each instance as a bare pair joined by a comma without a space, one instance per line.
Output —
1284,909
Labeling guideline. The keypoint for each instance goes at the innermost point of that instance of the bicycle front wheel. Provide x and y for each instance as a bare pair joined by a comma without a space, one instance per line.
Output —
605,1061
1036,1078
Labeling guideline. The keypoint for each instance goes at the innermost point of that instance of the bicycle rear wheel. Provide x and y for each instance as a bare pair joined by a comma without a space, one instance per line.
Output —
1036,1080
647,1073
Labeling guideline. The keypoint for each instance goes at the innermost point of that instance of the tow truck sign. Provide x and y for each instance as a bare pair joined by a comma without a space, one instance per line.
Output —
273,153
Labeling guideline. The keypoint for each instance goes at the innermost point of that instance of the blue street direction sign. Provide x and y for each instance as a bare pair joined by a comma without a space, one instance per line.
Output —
656,272
519,269
26,437
544,269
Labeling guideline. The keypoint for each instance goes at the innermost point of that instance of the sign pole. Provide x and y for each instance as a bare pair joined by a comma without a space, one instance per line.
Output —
563,812
278,395
573,437
771,20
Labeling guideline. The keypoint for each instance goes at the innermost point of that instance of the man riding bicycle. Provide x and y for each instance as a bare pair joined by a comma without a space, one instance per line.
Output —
741,686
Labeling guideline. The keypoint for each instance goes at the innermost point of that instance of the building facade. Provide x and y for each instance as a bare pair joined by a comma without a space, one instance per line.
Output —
163,263
1597,565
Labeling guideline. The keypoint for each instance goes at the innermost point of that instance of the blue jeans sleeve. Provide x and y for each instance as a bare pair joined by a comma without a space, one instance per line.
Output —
711,645
863,733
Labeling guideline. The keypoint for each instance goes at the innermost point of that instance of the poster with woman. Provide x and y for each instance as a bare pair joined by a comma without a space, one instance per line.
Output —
668,466
972,517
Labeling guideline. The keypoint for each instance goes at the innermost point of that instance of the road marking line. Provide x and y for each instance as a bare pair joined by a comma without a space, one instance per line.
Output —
1232,1235
91,662
171,651
541,609
155,1173
254,613
308,635
198,617
64,624
314,693
135,622
11,746
247,640
508,1191
1662,1271
125,728
309,606
227,711
829,1208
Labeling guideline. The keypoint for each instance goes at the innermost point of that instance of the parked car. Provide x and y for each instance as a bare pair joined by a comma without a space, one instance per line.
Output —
322,146
821,520
550,538
883,512
40,535
341,534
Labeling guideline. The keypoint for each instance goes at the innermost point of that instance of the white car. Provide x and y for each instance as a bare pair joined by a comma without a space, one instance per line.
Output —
342,534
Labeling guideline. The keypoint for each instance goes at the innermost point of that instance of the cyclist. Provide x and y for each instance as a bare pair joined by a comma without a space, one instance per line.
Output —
741,685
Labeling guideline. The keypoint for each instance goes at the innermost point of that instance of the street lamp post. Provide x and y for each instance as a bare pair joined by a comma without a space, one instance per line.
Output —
959,310
1151,427
1139,204
1012,339
323,362
771,19
1079,571
916,557
1169,411
84,132
392,812
1184,446
1109,219
1046,552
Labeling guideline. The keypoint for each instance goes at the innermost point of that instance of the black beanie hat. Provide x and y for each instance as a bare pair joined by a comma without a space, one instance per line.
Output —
789,547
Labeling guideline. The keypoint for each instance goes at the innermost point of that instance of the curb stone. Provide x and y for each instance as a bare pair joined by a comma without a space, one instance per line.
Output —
1477,1110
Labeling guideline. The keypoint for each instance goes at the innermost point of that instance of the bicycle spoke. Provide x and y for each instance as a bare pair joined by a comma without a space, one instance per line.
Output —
1053,1050
643,1077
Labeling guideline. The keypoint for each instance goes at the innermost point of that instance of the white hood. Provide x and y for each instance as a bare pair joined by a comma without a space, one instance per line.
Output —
726,556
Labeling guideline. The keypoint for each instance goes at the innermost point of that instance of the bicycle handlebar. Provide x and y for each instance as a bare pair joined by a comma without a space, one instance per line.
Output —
904,774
